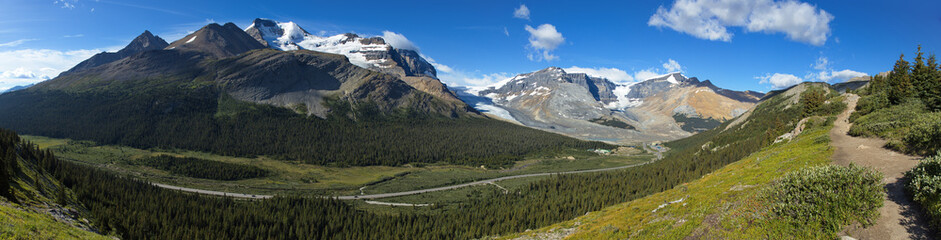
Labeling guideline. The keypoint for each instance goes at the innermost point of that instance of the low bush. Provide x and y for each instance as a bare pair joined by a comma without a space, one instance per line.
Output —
925,134
890,123
823,199
923,183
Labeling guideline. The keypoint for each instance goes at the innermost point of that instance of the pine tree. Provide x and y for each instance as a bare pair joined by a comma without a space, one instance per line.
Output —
920,76
933,84
900,82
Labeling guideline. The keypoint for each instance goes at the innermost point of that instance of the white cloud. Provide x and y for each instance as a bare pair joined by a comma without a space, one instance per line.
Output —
16,43
646,74
441,68
544,39
522,12
827,74
710,19
74,36
461,78
18,73
66,3
22,67
780,80
506,31
672,66
822,63
613,74
398,41
840,76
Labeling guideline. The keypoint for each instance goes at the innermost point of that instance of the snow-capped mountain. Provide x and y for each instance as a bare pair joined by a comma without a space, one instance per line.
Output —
371,53
590,107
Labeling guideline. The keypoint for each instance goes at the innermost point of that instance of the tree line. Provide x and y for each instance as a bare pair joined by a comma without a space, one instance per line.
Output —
203,119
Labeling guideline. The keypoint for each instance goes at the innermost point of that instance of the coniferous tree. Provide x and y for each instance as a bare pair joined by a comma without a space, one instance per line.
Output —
933,84
920,76
900,83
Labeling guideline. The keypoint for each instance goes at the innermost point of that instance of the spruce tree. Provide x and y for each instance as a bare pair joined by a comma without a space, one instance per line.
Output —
933,84
920,75
900,82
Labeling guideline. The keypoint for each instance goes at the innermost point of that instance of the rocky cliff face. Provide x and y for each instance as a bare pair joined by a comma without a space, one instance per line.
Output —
145,42
590,107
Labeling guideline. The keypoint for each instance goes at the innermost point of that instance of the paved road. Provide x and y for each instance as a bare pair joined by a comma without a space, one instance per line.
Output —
898,217
488,181
397,194
216,193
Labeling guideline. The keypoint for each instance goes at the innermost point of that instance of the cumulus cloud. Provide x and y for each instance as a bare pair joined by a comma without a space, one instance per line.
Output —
522,12
710,19
398,41
461,78
18,73
440,67
22,67
827,74
646,74
613,74
543,40
16,43
780,80
672,66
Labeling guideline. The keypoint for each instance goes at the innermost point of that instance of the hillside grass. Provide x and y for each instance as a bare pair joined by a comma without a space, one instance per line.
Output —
16,223
729,203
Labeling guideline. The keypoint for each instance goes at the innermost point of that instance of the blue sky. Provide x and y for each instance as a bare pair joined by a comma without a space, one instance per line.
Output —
738,44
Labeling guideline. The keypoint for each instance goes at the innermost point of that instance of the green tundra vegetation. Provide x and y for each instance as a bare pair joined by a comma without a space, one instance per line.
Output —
202,168
200,118
903,106
924,184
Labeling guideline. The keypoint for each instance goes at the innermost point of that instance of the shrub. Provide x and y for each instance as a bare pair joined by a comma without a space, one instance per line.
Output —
925,134
824,199
891,122
923,183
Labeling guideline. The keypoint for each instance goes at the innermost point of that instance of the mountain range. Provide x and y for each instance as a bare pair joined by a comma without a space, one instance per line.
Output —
667,107
282,64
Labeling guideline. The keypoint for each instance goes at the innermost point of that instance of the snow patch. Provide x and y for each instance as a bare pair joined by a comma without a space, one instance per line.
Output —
623,101
191,39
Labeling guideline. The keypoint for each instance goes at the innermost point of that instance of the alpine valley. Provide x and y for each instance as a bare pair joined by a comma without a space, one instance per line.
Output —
271,130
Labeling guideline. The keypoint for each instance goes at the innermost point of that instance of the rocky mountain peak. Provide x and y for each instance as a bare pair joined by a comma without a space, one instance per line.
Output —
218,41
144,42
372,53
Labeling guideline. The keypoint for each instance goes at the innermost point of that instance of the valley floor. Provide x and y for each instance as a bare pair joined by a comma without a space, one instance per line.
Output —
899,217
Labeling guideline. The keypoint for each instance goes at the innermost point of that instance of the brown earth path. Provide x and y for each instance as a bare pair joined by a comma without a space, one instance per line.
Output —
899,217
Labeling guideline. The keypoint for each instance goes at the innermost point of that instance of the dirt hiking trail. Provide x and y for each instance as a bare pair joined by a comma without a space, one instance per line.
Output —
899,217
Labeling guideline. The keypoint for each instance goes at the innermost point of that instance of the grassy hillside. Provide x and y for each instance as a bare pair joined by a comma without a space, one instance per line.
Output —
33,203
19,223
730,203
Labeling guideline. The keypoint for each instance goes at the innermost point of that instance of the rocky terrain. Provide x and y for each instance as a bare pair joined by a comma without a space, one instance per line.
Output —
236,63
587,107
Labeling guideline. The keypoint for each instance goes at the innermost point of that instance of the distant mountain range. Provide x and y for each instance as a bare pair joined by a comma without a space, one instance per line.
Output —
576,104
281,64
